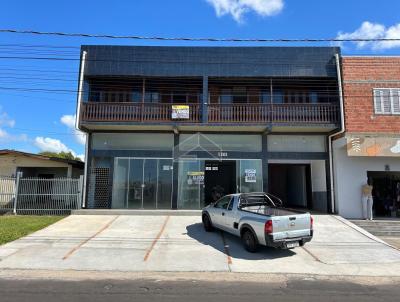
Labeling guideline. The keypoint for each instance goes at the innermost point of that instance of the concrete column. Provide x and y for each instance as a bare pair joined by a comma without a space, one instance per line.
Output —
175,174
69,171
204,104
264,157
329,189
88,158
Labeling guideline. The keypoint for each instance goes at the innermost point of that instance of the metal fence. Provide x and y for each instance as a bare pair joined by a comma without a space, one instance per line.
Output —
7,193
40,196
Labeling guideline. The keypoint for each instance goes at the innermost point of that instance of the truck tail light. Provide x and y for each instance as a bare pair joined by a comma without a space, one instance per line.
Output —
269,229
311,223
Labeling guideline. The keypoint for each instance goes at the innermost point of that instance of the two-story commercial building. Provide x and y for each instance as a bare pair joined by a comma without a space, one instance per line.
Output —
176,127
369,150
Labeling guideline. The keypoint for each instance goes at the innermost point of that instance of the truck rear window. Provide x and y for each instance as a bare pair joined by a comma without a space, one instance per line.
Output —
247,200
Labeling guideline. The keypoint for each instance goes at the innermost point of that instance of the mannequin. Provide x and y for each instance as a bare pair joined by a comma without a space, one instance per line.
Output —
367,200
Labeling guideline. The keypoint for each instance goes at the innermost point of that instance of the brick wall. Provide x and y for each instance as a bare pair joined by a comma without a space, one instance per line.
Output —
360,76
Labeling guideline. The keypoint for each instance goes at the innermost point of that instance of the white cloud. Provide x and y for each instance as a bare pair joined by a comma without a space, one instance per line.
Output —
5,120
369,30
69,121
3,134
54,145
51,145
57,146
6,137
237,8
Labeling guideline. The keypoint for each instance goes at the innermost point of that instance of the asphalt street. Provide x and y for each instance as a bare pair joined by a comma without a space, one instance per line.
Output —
303,289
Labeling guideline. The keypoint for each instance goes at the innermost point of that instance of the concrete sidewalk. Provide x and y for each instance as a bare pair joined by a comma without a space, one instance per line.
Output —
179,244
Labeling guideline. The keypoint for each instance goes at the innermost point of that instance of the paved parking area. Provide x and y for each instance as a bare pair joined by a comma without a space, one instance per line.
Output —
179,244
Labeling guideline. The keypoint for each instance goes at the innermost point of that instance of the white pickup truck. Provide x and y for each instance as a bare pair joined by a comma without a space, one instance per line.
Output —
259,219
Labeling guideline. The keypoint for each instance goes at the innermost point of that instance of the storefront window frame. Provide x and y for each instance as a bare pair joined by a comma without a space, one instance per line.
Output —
116,158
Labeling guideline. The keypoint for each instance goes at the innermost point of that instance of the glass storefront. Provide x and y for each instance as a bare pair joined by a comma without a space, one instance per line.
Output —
197,177
142,183
191,184
124,175
146,183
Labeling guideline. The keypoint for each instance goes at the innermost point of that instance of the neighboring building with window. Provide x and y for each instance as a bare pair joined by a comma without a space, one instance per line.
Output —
370,147
387,101
178,127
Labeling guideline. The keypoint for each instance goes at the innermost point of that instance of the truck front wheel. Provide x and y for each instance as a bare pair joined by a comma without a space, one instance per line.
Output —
208,227
249,241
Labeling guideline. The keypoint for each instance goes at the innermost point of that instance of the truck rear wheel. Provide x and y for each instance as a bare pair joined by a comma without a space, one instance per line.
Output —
249,241
208,227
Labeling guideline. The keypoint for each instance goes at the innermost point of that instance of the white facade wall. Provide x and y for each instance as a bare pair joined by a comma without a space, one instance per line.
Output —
350,173
318,176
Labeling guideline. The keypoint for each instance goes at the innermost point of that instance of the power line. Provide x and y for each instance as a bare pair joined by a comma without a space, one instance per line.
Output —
137,37
55,55
44,132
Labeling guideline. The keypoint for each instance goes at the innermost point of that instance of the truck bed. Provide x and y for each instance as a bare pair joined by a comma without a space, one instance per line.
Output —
269,211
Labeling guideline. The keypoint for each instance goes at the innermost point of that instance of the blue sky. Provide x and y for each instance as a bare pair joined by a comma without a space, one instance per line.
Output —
34,118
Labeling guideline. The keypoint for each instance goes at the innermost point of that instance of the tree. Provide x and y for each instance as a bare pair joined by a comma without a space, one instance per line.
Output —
63,155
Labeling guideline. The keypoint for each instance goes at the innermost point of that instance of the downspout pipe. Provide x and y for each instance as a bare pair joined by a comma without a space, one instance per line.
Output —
340,131
80,90
77,123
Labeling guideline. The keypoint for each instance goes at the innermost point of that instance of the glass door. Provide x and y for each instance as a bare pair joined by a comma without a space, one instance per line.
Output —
249,175
142,183
135,188
149,200
120,184
164,189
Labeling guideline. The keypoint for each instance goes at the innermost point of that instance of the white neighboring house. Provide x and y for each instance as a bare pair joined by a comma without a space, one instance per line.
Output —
35,165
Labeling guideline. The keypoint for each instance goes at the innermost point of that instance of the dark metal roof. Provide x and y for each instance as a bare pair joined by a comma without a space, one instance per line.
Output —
210,61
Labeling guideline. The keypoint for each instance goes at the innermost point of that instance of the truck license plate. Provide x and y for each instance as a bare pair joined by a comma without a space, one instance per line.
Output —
292,244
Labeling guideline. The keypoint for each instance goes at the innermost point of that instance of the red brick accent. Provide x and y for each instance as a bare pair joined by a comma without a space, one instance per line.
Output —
358,97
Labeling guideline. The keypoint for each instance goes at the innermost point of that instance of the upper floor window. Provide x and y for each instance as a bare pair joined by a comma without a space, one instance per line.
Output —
265,97
387,100
151,97
226,96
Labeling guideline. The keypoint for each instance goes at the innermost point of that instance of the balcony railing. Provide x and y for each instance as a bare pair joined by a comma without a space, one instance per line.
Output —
277,113
322,113
134,112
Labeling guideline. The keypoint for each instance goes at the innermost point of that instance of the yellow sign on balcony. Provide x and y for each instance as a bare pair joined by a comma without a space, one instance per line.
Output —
180,112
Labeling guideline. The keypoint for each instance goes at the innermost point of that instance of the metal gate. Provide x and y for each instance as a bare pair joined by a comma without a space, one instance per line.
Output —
40,196
7,193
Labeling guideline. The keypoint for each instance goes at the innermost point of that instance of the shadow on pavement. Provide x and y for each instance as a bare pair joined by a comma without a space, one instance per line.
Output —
234,244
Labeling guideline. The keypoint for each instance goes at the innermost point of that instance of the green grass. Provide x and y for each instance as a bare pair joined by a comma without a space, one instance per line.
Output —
14,227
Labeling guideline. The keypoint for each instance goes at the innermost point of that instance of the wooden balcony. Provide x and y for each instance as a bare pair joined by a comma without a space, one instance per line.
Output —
135,112
322,113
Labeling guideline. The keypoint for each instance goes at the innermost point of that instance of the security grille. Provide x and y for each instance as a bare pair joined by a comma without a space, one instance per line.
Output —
99,189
